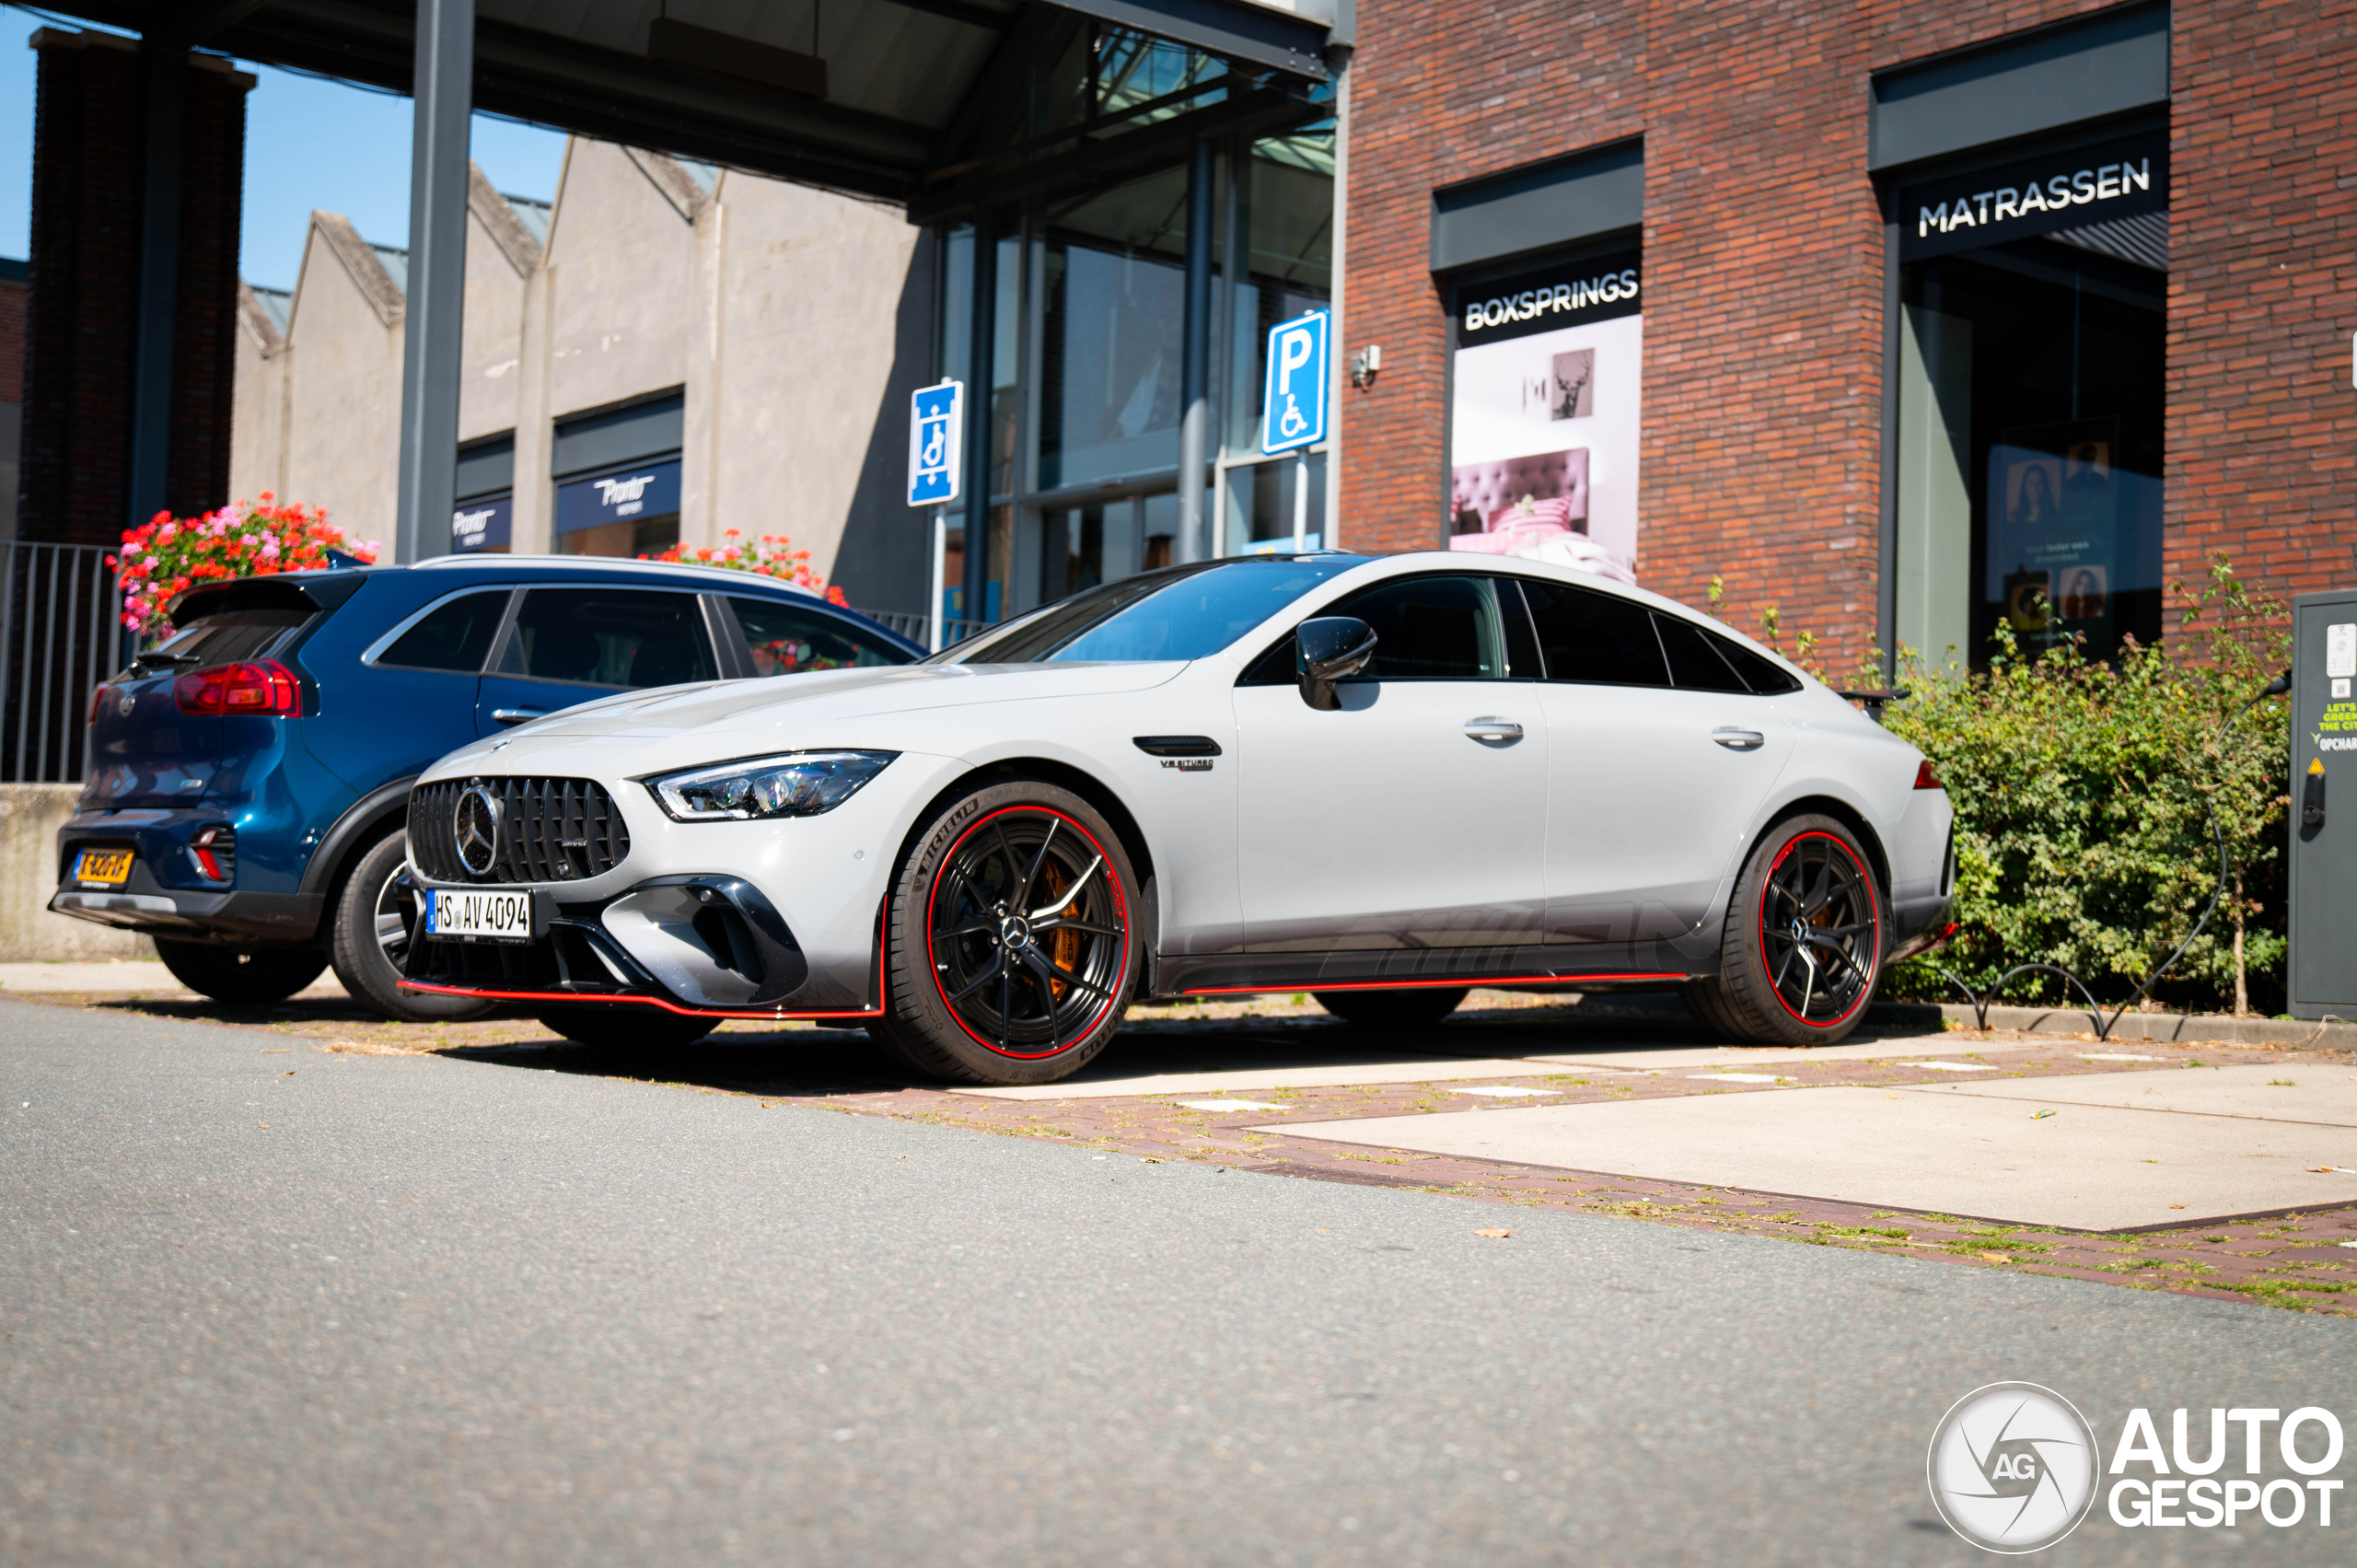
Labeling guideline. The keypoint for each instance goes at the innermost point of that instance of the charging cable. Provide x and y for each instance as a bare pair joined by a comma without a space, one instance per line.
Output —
1982,1001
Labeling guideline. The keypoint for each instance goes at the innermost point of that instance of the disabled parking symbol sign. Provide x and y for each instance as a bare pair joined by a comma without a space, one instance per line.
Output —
1294,405
935,447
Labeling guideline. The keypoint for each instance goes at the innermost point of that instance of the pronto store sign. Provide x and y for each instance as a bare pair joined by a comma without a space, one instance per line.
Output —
648,490
2018,201
482,525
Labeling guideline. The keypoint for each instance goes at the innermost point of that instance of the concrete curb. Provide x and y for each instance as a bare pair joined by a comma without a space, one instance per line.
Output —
2161,1029
2175,1029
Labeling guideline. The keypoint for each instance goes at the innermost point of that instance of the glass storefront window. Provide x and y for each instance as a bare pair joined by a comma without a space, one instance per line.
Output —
1088,321
650,537
1264,500
2030,385
1112,309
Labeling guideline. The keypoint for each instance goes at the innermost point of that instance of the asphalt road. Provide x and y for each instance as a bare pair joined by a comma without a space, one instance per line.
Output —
266,1305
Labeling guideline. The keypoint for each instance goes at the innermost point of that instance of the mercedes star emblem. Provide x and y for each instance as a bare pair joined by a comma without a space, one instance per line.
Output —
474,831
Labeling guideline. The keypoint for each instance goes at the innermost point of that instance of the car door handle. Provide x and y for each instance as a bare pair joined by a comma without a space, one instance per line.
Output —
518,716
1494,729
1739,740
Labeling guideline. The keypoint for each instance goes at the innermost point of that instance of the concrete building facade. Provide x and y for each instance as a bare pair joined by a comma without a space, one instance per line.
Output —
739,345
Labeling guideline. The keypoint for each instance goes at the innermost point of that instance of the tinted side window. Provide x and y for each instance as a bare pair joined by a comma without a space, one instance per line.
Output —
1431,629
1694,661
1599,638
611,637
782,639
455,635
1763,676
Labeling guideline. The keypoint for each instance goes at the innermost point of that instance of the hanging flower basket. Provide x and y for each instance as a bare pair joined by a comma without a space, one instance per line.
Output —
165,558
771,556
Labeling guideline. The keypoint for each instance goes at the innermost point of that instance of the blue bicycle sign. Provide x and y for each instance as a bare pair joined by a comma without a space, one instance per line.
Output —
1294,403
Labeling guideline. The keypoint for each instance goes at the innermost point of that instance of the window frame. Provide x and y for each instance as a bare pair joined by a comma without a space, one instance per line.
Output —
373,656
731,635
1340,607
508,639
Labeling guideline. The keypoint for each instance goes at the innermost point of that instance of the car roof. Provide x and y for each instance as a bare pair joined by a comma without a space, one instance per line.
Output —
605,564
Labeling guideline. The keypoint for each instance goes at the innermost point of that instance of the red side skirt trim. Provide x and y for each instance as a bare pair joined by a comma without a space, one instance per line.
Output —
1467,980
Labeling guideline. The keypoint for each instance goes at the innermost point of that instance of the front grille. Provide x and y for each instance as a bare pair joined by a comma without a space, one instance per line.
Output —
551,830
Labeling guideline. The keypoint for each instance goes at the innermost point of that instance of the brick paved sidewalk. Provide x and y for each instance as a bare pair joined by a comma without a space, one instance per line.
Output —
2301,1261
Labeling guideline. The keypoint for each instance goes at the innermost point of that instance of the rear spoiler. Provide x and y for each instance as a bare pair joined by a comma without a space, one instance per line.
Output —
287,590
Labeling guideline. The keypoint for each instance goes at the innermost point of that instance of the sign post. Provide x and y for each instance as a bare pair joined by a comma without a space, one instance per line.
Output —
1294,417
936,469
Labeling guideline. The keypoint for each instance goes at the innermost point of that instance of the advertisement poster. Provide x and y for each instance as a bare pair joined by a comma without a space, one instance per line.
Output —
2053,528
1544,417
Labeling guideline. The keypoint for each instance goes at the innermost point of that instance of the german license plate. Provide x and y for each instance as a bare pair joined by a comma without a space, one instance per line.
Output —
488,915
103,867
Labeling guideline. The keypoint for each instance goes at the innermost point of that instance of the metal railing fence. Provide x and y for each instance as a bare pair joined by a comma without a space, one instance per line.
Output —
61,633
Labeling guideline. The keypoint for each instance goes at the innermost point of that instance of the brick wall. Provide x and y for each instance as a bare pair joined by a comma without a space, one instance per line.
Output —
85,277
1763,253
2263,291
12,340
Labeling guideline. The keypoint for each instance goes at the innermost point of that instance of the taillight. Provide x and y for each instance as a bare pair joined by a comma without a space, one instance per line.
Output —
265,687
98,695
1926,779
216,852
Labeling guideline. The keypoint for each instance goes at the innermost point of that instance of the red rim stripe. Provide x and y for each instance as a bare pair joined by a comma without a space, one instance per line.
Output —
1120,904
1866,994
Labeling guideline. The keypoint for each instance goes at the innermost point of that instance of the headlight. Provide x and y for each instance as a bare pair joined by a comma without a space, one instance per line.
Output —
799,784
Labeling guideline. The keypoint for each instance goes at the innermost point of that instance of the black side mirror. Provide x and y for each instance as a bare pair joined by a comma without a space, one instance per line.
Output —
1328,649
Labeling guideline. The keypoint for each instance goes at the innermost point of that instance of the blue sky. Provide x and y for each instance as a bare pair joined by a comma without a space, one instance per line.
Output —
308,144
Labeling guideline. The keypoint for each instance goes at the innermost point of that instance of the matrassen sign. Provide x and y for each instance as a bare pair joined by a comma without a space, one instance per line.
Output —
2036,195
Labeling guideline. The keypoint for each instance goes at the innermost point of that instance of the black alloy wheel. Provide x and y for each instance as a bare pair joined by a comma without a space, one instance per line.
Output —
1012,945
1803,945
1818,926
373,918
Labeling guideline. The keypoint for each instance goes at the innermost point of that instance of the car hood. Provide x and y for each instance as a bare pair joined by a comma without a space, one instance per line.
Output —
735,718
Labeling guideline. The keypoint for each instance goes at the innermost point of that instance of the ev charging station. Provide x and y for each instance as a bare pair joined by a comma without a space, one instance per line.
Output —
2323,895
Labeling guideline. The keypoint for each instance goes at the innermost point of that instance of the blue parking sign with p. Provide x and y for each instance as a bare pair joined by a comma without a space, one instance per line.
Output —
936,444
1295,401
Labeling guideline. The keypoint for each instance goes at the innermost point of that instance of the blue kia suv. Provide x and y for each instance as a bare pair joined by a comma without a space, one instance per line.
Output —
250,777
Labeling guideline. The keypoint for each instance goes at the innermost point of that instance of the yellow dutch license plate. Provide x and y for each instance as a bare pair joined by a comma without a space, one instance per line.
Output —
107,868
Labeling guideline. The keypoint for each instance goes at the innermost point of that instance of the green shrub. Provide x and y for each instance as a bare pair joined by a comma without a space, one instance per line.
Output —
2081,789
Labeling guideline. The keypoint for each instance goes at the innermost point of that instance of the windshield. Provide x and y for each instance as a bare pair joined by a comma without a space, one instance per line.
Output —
1185,612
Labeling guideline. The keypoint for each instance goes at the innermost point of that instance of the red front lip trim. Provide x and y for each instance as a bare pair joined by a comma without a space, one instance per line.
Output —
1411,984
644,1001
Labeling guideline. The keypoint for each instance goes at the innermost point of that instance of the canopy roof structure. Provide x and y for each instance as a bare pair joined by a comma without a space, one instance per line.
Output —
902,100
953,108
